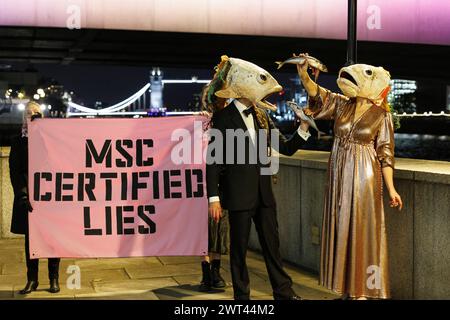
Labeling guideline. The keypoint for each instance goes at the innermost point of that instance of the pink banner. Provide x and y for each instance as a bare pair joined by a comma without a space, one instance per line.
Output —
117,187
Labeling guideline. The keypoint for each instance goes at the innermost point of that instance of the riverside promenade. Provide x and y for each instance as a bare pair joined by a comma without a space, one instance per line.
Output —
151,278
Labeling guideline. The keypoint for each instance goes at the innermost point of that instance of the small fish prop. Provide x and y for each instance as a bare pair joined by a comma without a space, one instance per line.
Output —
313,63
301,114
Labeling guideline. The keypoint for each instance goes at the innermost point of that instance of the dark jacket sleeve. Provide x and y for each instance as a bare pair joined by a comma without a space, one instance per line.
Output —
18,174
215,163
286,146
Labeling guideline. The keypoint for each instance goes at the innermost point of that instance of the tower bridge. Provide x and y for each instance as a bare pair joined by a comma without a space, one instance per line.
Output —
147,99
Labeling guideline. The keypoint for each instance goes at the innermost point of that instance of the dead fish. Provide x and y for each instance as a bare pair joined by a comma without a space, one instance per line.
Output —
312,62
301,114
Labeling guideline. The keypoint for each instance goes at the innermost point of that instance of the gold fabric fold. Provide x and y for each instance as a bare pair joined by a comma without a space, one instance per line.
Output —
354,257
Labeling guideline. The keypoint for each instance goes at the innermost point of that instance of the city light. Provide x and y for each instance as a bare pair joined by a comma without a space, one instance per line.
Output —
185,81
36,97
41,92
49,107
21,107
425,114
43,107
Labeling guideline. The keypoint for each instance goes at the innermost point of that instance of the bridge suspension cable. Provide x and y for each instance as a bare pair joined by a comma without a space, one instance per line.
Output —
116,107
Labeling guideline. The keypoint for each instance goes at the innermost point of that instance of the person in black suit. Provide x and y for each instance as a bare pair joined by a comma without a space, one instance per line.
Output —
247,194
18,166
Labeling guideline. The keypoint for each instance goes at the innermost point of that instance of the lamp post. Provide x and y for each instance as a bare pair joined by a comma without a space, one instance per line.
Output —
351,32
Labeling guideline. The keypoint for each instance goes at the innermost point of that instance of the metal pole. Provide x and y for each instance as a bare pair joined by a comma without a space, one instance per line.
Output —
351,32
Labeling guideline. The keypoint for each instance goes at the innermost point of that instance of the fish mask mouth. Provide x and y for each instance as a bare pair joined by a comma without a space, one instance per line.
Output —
347,76
264,104
348,84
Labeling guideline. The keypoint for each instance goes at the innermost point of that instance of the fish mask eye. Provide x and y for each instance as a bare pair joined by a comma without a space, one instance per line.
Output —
263,77
369,72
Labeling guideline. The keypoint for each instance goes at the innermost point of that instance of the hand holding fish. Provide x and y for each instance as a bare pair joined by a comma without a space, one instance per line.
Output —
303,61
300,113
304,125
303,67
308,112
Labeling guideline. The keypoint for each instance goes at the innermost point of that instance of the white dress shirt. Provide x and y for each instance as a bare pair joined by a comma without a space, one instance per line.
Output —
248,120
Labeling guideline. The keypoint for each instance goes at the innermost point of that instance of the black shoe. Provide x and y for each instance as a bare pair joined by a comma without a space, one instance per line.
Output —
54,285
29,287
217,280
292,297
205,284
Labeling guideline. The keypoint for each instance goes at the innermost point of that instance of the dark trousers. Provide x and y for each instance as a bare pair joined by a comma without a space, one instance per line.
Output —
33,264
265,219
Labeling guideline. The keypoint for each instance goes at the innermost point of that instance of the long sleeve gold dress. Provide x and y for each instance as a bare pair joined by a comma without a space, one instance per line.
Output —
354,257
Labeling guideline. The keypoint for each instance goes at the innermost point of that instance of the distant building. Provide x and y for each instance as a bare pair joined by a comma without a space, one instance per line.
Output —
15,89
448,98
402,95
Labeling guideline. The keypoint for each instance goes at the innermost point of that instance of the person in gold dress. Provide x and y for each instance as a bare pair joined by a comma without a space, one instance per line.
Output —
354,255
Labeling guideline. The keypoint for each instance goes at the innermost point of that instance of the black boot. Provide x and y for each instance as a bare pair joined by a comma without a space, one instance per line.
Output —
29,287
217,280
205,285
54,284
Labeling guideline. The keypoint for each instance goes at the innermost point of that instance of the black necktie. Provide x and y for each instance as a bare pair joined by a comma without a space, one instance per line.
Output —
249,111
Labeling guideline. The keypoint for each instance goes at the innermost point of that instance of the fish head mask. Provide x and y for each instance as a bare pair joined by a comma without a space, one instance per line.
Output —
247,80
365,81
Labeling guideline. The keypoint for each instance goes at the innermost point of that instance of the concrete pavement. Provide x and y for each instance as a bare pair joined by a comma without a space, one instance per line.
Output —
150,278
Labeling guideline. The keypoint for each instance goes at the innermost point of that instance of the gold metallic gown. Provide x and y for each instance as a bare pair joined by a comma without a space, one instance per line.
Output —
354,257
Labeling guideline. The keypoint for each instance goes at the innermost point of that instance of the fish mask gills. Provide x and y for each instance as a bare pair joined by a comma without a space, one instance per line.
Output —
247,80
365,81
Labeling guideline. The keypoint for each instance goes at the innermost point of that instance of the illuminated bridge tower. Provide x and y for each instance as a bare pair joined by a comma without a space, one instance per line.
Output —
156,89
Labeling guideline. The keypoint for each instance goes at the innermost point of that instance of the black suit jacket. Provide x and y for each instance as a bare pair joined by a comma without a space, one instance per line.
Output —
18,169
238,184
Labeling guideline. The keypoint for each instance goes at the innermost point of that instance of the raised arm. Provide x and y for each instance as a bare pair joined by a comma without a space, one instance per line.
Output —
310,86
323,104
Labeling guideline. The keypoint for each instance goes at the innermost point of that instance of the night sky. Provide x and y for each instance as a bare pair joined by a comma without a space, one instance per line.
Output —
112,84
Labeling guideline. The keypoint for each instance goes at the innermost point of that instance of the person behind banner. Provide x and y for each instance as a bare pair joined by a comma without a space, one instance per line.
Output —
18,166
218,245
246,189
